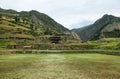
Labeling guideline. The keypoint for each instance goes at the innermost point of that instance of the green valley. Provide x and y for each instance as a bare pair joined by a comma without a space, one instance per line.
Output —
34,46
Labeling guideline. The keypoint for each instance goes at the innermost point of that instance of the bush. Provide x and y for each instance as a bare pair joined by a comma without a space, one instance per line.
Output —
118,46
11,25
43,46
81,46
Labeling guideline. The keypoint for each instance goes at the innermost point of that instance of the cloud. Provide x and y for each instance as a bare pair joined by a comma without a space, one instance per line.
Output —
67,12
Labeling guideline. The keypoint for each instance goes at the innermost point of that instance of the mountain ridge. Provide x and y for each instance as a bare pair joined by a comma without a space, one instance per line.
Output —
29,25
94,31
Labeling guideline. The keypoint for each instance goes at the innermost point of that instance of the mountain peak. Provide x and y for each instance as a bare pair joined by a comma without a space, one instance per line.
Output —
107,19
108,16
34,11
106,24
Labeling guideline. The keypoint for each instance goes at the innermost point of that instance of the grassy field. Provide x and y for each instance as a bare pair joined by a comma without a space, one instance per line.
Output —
59,66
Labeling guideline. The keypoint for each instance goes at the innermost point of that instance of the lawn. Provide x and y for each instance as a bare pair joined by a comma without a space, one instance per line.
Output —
59,66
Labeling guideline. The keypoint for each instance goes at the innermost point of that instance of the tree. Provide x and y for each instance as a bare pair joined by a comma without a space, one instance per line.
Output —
48,31
0,17
31,27
17,19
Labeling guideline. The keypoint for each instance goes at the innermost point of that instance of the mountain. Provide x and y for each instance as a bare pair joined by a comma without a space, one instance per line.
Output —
106,27
31,25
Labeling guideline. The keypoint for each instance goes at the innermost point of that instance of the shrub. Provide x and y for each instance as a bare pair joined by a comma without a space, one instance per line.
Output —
81,46
118,46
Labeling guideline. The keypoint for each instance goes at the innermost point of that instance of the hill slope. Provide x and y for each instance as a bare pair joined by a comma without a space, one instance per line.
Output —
106,27
31,25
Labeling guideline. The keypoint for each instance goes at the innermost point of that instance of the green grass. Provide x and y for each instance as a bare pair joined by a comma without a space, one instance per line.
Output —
59,66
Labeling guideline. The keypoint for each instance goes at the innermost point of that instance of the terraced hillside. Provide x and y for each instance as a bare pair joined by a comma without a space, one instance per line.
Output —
33,27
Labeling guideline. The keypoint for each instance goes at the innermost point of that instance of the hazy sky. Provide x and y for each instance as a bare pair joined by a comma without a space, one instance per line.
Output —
70,13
